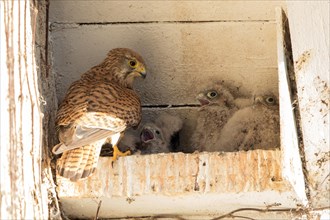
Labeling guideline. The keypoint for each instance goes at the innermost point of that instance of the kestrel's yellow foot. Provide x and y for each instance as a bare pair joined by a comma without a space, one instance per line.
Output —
117,153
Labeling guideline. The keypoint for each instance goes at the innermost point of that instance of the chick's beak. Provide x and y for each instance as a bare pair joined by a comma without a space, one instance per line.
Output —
200,97
147,135
257,99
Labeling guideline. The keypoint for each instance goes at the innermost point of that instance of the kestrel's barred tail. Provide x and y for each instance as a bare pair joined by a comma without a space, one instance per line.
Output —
79,163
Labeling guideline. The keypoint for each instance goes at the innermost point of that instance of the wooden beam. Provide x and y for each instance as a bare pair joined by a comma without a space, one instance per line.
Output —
309,26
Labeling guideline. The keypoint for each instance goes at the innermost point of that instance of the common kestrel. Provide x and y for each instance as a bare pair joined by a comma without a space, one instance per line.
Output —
217,106
97,109
253,127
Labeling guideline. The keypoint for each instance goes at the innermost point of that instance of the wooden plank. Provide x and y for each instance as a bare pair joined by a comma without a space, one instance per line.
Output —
309,27
182,58
24,183
292,165
209,184
71,11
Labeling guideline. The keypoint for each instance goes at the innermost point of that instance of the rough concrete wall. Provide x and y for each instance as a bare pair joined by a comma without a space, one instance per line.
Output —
186,46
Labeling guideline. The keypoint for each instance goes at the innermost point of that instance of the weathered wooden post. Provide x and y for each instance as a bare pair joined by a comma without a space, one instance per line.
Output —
26,189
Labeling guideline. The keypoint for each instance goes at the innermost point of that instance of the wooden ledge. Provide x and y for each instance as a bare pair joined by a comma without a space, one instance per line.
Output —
201,184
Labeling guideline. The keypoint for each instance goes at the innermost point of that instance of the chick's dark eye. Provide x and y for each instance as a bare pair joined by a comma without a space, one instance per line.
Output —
132,63
157,132
270,100
212,94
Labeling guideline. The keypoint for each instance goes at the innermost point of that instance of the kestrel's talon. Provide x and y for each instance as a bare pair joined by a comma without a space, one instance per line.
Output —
117,153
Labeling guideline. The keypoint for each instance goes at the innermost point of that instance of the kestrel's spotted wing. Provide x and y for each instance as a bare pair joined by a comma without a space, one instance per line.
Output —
98,107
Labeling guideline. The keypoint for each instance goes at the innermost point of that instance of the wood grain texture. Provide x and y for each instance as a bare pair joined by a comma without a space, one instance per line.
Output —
25,178
208,183
311,61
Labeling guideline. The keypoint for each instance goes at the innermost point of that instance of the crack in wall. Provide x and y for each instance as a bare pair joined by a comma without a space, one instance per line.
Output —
53,26
196,185
158,22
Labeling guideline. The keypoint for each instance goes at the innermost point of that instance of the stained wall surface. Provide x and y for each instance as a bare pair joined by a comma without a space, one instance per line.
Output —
187,45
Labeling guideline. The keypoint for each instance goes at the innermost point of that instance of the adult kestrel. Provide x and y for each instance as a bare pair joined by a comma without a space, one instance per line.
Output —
97,109
253,127
217,106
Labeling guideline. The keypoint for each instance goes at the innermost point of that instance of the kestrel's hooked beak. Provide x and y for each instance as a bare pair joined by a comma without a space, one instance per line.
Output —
142,71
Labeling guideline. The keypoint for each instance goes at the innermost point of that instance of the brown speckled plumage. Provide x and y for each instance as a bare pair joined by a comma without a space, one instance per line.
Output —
101,105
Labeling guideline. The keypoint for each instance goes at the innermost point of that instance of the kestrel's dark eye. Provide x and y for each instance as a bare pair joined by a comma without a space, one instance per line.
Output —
270,100
212,94
157,132
132,63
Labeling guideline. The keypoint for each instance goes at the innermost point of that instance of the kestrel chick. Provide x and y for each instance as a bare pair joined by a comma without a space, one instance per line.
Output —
217,106
97,109
253,127
158,136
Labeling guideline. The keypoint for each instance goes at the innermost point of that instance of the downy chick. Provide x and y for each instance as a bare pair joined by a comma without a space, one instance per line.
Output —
253,127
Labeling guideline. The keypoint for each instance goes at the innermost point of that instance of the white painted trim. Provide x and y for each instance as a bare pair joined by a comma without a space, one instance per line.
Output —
292,165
